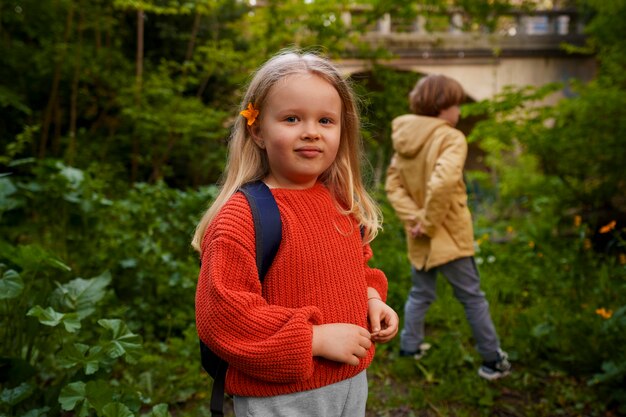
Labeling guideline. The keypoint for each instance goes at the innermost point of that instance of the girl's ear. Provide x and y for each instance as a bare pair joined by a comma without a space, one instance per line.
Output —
254,132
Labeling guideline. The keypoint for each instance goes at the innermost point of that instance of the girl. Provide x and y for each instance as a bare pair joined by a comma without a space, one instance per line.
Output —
299,343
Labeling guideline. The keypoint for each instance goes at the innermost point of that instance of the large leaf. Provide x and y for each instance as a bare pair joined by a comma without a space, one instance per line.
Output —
123,341
160,410
12,396
6,190
81,295
11,285
72,394
116,410
47,316
96,394
78,354
50,317
99,393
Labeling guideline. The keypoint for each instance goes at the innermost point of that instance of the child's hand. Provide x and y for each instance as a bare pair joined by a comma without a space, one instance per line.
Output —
341,342
383,320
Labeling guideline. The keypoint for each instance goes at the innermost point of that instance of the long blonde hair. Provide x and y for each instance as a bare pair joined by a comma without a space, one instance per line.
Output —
247,162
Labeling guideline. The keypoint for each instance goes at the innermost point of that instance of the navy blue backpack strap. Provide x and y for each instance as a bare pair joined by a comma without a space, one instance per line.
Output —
267,224
267,234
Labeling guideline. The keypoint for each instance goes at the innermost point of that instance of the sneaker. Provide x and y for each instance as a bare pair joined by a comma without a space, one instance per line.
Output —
496,369
418,354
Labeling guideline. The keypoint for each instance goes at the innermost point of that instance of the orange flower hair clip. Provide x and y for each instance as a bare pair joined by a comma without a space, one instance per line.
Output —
250,114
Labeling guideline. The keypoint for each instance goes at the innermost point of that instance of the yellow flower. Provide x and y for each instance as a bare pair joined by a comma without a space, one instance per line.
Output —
587,244
509,230
622,259
577,221
604,313
250,114
531,244
608,227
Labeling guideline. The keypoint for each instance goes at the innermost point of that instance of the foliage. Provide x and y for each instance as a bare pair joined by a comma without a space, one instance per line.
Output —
55,347
63,337
522,143
151,87
114,114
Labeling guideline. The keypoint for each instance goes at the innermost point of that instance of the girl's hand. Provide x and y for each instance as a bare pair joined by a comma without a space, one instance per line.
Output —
383,320
341,342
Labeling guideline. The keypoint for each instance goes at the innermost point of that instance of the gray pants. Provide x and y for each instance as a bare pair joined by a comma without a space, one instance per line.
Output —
343,399
462,274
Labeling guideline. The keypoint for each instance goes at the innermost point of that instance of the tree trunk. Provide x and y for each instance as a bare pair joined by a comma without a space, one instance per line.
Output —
159,162
134,172
54,90
71,151
194,35
58,124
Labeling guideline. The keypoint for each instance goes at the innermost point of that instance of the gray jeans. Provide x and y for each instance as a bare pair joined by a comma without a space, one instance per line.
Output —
462,274
343,399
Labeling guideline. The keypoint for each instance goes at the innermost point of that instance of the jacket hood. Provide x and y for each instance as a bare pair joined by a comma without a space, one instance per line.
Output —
410,132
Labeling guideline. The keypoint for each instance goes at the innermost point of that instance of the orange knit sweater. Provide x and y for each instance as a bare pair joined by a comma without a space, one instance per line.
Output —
320,275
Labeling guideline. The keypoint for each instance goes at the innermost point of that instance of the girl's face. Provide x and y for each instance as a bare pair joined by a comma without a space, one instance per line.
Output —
300,128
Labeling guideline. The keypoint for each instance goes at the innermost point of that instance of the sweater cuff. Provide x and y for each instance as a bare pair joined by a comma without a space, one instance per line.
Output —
377,280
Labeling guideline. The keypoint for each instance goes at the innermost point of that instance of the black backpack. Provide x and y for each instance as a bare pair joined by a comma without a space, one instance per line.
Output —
268,234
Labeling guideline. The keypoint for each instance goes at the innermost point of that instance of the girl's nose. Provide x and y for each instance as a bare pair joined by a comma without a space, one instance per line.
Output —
311,132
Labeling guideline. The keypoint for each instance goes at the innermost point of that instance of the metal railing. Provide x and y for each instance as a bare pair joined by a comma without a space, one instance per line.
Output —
431,34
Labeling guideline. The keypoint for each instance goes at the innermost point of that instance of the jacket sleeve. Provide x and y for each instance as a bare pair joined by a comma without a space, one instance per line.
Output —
398,195
268,342
443,181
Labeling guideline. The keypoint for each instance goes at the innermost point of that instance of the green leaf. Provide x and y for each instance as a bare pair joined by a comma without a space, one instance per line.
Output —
49,317
11,285
71,321
38,412
58,264
78,354
72,355
6,190
116,410
160,410
100,394
13,396
123,341
81,295
71,395
52,318
72,175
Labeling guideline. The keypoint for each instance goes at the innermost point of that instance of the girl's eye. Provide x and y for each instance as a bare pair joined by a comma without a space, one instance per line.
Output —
325,121
291,119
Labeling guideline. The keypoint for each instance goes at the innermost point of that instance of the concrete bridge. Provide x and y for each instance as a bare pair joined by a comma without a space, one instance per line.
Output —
523,48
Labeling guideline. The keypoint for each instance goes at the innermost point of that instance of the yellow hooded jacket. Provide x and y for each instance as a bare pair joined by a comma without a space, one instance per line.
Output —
425,184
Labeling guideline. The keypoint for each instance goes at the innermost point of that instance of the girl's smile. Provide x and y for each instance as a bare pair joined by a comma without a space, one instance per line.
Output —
300,129
309,151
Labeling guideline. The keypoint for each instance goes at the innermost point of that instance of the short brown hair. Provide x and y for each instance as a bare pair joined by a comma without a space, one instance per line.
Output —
434,93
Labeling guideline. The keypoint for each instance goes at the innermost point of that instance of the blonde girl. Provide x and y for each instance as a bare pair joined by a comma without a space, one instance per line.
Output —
301,342
248,162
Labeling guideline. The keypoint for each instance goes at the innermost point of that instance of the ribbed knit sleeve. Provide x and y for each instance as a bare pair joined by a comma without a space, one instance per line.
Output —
268,342
375,277
319,276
